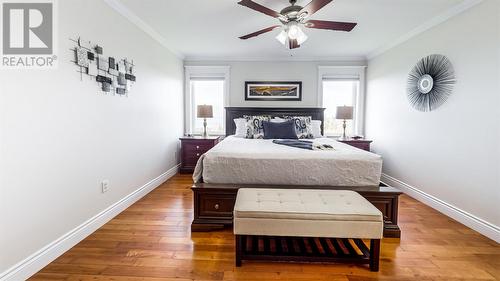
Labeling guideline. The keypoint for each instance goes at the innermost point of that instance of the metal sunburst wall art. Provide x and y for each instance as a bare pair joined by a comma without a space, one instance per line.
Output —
430,82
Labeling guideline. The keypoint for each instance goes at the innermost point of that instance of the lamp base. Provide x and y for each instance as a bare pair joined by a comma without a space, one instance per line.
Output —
205,133
343,137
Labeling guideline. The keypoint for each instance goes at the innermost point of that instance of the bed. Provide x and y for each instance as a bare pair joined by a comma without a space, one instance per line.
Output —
257,161
238,162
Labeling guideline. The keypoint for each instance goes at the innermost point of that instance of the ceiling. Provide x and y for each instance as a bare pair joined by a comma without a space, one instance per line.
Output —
209,29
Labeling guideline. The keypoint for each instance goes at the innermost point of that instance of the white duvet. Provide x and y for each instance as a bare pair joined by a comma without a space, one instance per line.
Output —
257,161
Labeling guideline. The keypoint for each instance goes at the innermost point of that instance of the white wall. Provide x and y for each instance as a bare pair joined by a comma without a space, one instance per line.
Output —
60,137
304,71
451,153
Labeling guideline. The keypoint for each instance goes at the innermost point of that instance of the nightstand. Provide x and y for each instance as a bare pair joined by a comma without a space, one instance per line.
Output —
360,143
191,150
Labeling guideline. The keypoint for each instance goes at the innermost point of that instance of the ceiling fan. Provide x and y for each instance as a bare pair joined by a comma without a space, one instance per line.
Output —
292,18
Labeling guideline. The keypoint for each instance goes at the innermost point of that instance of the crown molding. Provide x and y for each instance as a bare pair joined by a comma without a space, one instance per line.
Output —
448,14
354,59
327,67
136,20
225,67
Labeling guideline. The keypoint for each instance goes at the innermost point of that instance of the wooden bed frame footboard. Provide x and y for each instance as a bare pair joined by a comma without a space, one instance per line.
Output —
214,203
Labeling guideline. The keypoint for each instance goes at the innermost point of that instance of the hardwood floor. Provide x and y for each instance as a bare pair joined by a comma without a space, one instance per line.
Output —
151,240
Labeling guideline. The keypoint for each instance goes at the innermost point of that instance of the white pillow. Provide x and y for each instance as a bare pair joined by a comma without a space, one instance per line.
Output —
241,127
278,120
316,128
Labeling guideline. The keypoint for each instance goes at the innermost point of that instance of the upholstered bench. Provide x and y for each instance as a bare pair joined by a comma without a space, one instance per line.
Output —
306,225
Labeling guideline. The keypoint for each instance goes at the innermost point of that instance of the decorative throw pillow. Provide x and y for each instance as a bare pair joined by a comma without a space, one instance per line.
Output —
316,128
255,129
278,120
303,126
281,130
241,127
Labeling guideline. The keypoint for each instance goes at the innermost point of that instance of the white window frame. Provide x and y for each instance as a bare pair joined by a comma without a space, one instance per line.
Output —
196,72
347,73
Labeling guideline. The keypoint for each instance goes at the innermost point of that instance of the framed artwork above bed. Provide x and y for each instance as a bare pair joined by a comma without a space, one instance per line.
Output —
273,91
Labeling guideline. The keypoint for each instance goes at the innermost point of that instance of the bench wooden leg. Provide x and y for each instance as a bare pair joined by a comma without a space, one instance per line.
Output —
238,247
374,254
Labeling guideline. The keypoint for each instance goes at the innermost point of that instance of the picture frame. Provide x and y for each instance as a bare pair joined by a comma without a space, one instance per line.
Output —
273,91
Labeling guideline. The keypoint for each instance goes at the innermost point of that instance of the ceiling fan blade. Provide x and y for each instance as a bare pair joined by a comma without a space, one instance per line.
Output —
259,8
332,25
293,43
314,6
257,33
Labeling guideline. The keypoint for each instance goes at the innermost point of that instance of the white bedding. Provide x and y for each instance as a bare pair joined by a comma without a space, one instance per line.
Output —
257,161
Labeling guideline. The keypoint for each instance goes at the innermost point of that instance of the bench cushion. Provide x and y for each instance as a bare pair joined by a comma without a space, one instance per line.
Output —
306,212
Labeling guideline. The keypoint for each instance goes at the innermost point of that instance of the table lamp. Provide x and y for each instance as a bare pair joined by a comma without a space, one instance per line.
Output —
205,111
344,113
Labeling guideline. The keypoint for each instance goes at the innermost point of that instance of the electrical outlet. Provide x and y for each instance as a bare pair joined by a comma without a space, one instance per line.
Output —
104,186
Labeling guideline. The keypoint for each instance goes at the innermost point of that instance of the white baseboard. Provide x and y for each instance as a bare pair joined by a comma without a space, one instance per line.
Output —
486,228
38,260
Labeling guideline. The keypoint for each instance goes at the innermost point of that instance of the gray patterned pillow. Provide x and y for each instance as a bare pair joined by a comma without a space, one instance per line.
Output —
303,126
255,128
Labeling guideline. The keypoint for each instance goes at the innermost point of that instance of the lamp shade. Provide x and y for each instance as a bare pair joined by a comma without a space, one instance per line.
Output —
344,112
205,111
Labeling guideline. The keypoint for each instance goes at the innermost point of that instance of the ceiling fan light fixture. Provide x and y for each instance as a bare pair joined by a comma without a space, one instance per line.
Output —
301,37
293,18
282,36
293,30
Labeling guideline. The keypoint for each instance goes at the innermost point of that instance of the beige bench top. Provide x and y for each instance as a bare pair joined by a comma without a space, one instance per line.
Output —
306,212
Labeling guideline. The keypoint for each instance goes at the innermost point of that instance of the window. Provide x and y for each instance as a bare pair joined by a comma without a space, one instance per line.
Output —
338,86
339,92
211,92
206,85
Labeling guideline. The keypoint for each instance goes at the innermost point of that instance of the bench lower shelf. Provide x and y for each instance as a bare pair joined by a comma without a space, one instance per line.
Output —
307,249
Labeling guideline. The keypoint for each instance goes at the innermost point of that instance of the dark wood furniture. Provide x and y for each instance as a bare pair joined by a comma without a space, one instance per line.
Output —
306,249
191,150
359,143
239,112
214,203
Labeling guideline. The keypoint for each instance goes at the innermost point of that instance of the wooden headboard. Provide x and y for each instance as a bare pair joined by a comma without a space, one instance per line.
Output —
238,112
